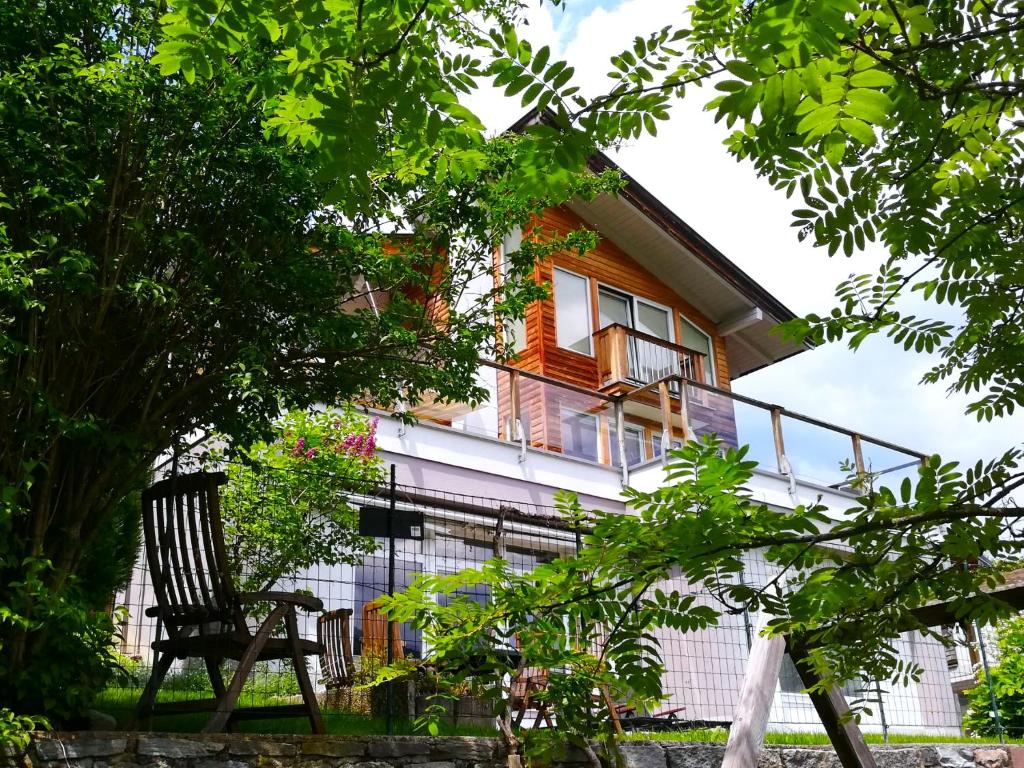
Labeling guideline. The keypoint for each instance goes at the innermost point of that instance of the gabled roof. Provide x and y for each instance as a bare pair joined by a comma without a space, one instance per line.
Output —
640,224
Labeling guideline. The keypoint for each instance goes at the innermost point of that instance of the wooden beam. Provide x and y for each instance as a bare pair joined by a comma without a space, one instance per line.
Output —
780,445
936,614
834,713
738,322
750,722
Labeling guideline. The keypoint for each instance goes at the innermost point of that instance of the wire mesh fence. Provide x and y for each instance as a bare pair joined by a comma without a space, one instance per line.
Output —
347,543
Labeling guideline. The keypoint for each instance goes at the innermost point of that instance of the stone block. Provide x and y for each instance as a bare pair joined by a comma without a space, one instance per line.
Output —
695,755
952,756
261,748
991,758
398,747
929,757
334,747
464,748
812,758
898,757
371,764
219,764
175,749
1016,755
88,746
643,755
431,764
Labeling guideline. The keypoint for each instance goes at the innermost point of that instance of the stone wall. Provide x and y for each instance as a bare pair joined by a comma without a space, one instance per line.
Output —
129,750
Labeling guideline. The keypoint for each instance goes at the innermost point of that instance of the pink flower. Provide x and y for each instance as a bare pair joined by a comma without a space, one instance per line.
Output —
311,453
300,445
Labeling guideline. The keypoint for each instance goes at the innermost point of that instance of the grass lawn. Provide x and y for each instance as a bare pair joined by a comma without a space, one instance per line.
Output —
120,703
720,735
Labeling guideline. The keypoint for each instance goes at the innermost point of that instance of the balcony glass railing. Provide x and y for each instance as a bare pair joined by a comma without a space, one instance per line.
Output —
632,427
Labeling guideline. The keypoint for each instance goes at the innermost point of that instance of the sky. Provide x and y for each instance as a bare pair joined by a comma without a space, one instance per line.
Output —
875,390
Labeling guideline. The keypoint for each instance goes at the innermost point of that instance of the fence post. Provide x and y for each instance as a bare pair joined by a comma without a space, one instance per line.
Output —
991,689
388,714
881,713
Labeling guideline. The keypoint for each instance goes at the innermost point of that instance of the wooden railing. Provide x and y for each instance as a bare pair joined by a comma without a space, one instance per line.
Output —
625,355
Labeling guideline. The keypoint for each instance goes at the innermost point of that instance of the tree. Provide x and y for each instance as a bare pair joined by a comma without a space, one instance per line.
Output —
1007,685
169,265
897,123
286,500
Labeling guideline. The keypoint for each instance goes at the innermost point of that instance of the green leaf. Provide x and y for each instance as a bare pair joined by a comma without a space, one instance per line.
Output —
858,129
872,78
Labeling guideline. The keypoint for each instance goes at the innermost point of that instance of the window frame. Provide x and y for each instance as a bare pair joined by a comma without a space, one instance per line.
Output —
711,346
589,312
563,409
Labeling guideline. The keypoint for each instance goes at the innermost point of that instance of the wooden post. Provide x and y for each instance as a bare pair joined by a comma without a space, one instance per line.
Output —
746,734
842,730
858,456
780,446
666,420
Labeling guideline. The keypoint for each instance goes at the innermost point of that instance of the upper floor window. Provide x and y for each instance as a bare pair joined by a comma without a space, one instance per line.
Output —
694,338
572,311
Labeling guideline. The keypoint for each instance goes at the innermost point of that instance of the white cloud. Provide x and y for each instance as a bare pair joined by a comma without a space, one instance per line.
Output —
875,390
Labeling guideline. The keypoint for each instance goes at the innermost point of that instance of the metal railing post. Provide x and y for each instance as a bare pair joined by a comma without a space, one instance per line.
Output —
620,437
665,401
991,688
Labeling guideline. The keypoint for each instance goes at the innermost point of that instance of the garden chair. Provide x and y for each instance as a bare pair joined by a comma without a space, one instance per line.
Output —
375,632
202,614
529,691
337,667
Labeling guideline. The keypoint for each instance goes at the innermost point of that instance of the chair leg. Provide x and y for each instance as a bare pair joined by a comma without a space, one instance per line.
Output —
316,721
217,683
226,703
147,701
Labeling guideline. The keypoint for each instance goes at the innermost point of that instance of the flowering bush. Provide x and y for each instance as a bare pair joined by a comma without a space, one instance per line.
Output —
287,505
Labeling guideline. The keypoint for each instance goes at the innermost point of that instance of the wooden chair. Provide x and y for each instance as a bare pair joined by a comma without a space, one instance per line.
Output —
375,630
202,614
528,691
337,667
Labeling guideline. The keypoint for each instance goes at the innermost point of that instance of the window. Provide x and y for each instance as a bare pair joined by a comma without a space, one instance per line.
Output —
371,581
614,308
515,330
694,338
579,434
572,311
790,682
634,444
656,444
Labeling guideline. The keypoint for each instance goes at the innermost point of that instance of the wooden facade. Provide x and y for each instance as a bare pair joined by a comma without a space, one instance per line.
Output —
544,408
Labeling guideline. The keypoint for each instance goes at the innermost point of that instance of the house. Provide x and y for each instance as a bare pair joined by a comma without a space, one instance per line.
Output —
636,349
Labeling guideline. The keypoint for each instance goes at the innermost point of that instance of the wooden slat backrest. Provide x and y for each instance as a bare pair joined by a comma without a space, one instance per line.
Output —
185,549
333,629
375,631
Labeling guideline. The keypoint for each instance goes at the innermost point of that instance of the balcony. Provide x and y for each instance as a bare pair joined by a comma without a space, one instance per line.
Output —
627,358
630,428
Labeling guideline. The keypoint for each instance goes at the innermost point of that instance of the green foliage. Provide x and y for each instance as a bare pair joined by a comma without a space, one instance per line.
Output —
846,583
1007,684
168,264
896,123
15,731
286,504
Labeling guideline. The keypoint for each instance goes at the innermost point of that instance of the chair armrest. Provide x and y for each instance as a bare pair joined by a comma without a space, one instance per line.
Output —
306,602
